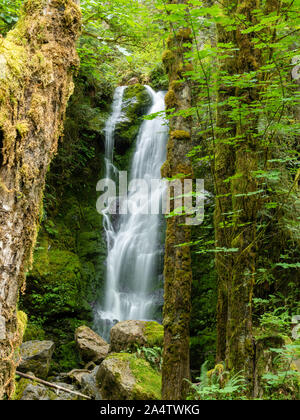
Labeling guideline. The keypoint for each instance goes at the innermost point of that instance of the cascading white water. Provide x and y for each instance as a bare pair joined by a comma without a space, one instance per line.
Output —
134,246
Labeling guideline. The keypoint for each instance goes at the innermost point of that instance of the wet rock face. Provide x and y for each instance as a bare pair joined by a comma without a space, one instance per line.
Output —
136,104
91,346
35,357
128,335
123,376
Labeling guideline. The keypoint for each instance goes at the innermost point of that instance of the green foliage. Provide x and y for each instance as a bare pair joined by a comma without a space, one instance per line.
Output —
153,355
159,79
218,385
9,14
284,381
34,331
119,38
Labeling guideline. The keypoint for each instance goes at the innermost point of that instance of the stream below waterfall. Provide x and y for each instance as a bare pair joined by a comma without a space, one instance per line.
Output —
133,288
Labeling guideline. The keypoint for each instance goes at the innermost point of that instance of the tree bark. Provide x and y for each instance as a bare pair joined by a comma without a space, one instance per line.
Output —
177,271
37,60
224,168
239,199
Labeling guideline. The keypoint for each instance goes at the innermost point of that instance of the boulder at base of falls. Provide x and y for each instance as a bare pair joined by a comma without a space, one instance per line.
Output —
91,346
124,376
128,335
28,390
35,356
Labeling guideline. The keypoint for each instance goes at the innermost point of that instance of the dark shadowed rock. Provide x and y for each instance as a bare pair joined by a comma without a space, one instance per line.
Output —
89,385
35,356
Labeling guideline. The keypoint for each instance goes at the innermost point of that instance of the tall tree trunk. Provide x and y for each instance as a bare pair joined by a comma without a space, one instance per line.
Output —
37,60
224,168
240,200
177,272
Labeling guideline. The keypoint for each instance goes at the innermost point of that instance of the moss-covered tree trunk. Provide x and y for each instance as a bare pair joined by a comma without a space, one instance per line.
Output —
37,60
240,199
177,271
224,168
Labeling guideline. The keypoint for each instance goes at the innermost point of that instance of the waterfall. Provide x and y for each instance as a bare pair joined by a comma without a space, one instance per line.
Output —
135,244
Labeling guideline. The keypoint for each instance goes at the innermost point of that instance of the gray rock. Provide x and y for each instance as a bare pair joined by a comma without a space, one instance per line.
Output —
89,385
91,346
35,356
128,335
76,375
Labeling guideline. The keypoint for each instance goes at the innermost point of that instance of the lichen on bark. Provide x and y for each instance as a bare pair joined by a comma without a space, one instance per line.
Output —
38,58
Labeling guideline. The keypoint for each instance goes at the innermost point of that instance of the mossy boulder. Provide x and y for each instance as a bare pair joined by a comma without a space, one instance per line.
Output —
136,102
35,357
124,376
91,346
129,335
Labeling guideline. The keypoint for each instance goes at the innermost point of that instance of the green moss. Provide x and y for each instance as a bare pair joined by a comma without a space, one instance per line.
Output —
22,384
19,388
148,380
184,34
159,78
119,356
168,59
31,6
176,85
22,323
56,291
180,135
154,333
171,99
34,332
22,128
67,356
136,103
